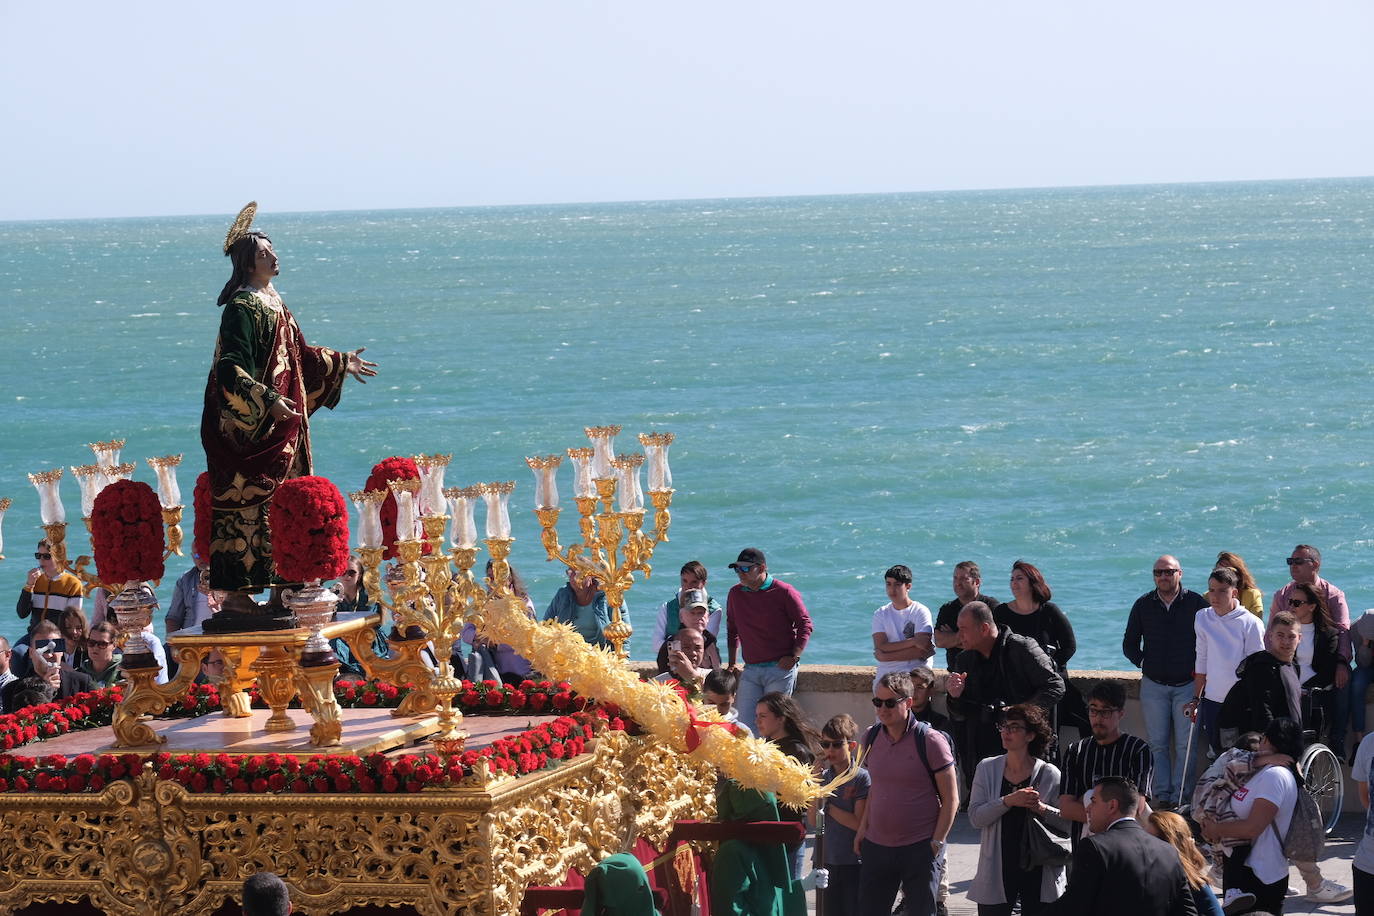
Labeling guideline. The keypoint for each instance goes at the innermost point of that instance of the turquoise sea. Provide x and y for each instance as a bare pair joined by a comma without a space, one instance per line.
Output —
1083,378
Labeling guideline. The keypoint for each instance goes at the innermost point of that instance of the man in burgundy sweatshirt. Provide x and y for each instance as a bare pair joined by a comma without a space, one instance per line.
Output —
767,619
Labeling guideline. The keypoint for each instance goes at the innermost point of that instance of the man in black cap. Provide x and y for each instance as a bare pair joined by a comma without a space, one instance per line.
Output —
768,621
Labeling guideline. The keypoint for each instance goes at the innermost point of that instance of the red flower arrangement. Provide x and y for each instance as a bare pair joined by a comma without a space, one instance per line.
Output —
533,750
309,530
200,501
384,471
126,533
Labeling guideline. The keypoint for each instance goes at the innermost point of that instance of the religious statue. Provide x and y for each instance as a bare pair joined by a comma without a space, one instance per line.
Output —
264,384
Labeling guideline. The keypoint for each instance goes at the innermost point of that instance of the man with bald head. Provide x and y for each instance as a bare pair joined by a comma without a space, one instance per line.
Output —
1160,640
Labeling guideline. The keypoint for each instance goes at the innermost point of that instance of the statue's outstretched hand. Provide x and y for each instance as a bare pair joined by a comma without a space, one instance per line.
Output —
361,369
283,408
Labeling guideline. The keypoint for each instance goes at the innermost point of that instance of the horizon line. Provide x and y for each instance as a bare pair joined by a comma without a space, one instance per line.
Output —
674,200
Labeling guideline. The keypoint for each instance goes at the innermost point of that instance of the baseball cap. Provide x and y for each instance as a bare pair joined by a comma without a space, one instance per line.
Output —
695,597
750,556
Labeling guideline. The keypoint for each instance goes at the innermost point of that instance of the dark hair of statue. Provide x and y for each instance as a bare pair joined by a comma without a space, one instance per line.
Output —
243,255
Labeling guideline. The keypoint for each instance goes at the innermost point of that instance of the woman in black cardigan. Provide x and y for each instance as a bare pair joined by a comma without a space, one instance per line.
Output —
1318,651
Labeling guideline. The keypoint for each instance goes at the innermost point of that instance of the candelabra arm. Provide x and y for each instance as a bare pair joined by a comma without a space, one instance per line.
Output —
171,518
661,499
548,525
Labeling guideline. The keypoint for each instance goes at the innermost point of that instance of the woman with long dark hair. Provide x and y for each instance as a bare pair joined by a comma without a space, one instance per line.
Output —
1269,797
1009,791
779,719
1318,653
1032,614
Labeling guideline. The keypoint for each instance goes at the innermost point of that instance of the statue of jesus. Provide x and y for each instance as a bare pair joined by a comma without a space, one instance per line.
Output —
264,384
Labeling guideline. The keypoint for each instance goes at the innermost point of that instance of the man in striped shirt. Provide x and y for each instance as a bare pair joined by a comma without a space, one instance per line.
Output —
1109,752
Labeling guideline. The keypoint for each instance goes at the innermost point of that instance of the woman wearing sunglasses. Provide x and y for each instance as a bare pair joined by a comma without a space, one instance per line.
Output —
1318,653
1008,791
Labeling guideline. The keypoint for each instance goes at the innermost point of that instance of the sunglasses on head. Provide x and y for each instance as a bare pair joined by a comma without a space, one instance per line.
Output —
890,702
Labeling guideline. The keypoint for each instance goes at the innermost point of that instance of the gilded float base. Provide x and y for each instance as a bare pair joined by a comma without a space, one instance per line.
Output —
145,847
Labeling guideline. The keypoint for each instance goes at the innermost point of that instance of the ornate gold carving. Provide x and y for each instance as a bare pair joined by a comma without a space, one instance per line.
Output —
145,847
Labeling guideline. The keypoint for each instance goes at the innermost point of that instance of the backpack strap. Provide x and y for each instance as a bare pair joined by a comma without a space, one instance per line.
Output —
922,736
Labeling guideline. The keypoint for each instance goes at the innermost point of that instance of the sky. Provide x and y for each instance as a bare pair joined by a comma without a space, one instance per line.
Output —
161,108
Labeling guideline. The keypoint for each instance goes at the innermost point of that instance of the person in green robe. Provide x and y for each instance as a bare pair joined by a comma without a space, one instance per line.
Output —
751,879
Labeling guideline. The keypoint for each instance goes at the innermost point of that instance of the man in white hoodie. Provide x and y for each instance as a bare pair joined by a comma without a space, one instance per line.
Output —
1226,634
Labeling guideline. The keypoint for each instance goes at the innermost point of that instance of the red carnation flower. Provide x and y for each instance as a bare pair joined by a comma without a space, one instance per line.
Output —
390,783
495,698
126,533
199,782
309,530
276,782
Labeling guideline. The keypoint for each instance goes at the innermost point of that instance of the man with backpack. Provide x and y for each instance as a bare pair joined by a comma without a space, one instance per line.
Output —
913,797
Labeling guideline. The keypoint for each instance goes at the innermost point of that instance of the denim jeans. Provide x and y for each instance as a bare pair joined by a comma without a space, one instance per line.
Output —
1167,729
886,868
757,679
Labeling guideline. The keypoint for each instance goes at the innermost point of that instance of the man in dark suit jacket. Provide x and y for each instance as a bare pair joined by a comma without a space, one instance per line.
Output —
1121,869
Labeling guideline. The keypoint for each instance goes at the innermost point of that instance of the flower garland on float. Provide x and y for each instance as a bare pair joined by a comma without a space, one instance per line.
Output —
535,749
557,650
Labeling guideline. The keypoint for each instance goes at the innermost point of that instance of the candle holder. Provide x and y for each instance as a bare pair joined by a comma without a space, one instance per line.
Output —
169,495
613,545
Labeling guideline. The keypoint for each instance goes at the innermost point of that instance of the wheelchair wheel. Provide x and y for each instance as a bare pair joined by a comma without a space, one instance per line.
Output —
1325,782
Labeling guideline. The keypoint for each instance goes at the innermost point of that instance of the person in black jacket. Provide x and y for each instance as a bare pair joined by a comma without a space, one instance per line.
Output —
1121,869
997,669
1319,656
1268,685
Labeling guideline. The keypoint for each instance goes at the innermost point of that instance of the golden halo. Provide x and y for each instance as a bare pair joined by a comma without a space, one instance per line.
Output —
242,223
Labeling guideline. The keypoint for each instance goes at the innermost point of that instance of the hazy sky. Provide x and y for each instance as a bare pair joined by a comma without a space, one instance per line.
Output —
171,108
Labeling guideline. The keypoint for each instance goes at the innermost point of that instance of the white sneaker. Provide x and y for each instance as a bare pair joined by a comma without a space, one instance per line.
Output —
1237,901
1329,892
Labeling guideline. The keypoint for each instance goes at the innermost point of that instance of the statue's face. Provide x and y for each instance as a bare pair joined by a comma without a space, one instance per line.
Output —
265,262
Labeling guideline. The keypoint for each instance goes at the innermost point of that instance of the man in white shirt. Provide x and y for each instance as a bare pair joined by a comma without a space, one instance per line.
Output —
903,630
1226,634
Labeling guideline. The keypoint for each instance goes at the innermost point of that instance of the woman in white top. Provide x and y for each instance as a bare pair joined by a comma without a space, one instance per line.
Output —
1264,809
1007,791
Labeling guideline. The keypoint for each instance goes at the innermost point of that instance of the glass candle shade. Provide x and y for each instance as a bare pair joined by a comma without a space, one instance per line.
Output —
582,472
49,501
404,491
462,506
497,498
603,449
629,493
4,507
369,505
92,480
432,468
656,453
545,480
107,453
168,493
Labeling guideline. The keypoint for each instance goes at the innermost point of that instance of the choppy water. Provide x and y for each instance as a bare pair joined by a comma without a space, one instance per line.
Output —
1083,378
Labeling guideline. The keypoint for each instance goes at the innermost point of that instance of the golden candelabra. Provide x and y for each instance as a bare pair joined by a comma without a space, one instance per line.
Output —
428,589
613,545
